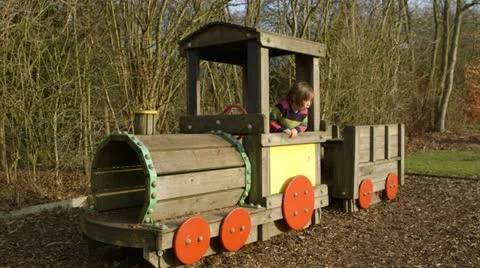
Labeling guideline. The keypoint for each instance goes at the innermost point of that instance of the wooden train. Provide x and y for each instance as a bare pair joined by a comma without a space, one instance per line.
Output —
184,196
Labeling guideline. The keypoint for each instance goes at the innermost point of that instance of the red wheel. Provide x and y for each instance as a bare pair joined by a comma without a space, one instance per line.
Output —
235,229
191,240
365,193
391,186
298,202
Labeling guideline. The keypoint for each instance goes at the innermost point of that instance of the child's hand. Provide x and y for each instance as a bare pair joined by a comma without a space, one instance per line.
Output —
294,133
288,132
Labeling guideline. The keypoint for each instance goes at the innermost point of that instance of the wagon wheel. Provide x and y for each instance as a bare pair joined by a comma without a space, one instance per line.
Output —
230,110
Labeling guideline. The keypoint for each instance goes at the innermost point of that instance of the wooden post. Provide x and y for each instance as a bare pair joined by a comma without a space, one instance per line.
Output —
307,69
256,81
193,82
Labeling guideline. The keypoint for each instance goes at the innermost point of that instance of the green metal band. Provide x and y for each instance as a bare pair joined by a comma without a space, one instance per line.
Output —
248,166
151,180
150,172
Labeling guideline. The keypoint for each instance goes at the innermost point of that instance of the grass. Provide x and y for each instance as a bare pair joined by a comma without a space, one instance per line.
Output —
447,163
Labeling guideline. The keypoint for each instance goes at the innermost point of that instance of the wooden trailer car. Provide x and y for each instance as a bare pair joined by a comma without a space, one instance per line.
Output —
183,196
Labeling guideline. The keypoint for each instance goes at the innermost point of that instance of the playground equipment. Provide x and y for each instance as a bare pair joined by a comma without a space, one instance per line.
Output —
183,196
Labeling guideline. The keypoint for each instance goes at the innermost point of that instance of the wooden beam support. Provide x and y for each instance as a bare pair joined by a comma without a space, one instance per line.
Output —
233,124
307,69
193,82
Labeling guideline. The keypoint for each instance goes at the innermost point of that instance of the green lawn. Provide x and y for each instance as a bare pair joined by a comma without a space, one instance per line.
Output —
450,163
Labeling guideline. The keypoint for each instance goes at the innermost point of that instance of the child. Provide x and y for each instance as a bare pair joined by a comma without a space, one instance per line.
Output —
290,116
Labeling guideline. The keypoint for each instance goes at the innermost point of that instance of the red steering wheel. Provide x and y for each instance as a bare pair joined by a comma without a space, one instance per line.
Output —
229,109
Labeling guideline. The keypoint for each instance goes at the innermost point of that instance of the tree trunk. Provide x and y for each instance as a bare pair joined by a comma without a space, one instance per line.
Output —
451,62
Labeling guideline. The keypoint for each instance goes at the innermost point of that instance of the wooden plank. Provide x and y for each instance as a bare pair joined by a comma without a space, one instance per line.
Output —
172,186
193,82
265,164
307,69
365,142
275,201
234,124
265,88
373,146
170,162
166,142
364,156
393,129
380,167
291,44
119,199
258,158
401,149
394,150
318,160
364,131
251,94
379,131
217,35
104,180
379,153
193,204
387,142
276,139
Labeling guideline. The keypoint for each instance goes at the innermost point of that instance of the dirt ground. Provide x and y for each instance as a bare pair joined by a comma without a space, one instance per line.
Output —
432,222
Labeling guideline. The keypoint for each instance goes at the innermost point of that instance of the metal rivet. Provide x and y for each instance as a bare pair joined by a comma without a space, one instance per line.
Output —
188,241
134,138
269,140
232,230
250,126
321,202
218,122
295,213
154,195
364,194
200,239
159,253
268,40
147,220
150,210
306,191
270,202
125,132
189,44
321,191
139,144
150,166
189,126
295,194
248,35
306,210
242,228
154,184
147,157
270,215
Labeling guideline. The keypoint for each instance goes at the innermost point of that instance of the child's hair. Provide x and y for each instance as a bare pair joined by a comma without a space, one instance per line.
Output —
299,92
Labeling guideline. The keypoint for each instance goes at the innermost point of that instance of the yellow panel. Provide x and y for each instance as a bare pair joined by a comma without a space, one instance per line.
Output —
289,161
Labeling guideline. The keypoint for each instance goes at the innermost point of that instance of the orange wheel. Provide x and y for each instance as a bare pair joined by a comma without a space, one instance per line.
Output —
391,186
235,229
298,202
365,193
191,240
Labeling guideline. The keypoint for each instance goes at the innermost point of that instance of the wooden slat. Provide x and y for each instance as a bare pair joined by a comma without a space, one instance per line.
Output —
172,186
169,162
119,199
116,178
401,149
364,156
364,131
385,166
265,88
379,152
292,44
393,130
193,82
276,139
379,131
234,124
307,69
365,142
394,150
170,142
193,204
275,201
